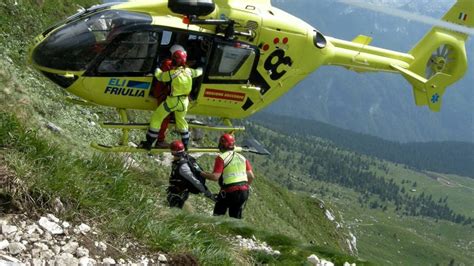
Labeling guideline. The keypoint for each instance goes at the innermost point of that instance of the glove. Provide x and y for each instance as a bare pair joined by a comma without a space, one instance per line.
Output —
210,195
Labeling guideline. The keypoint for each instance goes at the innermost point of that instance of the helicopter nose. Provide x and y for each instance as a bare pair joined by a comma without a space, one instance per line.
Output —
69,48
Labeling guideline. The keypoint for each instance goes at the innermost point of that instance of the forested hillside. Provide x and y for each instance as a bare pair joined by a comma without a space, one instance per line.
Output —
389,205
444,157
315,158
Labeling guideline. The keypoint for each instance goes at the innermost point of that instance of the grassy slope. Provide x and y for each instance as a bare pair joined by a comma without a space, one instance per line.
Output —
129,202
385,237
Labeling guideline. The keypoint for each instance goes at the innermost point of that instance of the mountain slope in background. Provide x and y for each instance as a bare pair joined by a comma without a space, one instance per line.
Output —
377,103
452,157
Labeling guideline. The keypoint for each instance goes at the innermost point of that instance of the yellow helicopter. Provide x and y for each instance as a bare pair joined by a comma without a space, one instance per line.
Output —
251,52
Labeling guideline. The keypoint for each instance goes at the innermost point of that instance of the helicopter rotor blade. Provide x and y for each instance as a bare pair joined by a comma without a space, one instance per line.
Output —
408,15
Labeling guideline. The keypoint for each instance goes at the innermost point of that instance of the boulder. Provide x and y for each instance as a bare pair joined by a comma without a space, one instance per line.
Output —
50,227
41,246
4,244
16,248
52,218
162,258
108,261
313,259
82,229
70,247
86,261
82,252
8,229
326,263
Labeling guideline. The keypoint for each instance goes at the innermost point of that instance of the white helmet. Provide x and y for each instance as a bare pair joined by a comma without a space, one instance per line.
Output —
177,47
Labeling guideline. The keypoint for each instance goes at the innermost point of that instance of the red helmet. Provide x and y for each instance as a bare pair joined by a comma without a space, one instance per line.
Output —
179,58
176,147
226,142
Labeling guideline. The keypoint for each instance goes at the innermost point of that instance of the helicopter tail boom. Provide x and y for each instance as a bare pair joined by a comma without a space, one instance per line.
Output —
440,58
437,61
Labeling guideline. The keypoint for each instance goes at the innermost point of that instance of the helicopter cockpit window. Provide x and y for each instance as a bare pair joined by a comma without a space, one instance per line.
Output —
135,53
232,62
76,44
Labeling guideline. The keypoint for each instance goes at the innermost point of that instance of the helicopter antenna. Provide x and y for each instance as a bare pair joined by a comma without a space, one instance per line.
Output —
410,16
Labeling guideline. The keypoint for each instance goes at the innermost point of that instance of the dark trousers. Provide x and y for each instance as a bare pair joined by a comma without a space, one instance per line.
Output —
176,198
234,201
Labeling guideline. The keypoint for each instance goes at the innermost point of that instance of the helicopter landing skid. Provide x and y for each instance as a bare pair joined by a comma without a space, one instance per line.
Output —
130,149
126,126
191,124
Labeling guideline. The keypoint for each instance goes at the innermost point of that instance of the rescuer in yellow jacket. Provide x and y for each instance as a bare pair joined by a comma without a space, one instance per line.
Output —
234,173
181,78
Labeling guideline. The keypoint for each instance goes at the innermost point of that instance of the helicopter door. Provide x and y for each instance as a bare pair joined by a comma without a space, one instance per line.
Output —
232,62
228,72
123,77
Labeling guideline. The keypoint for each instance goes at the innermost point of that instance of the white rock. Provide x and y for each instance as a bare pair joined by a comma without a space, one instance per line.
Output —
4,244
47,254
47,236
82,252
64,255
52,218
162,258
53,127
16,248
101,246
36,252
276,252
51,227
86,261
108,261
121,261
38,262
326,263
41,246
329,215
8,229
313,259
84,228
56,249
8,259
2,222
33,237
30,229
347,264
66,225
70,247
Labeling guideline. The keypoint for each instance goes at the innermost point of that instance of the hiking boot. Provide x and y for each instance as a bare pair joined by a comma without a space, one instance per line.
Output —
162,145
145,145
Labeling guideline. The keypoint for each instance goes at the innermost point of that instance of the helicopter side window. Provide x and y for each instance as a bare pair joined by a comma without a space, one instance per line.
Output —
166,38
232,61
134,53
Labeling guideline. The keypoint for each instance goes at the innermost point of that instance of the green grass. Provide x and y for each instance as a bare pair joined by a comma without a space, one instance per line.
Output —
388,238
130,202
459,190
